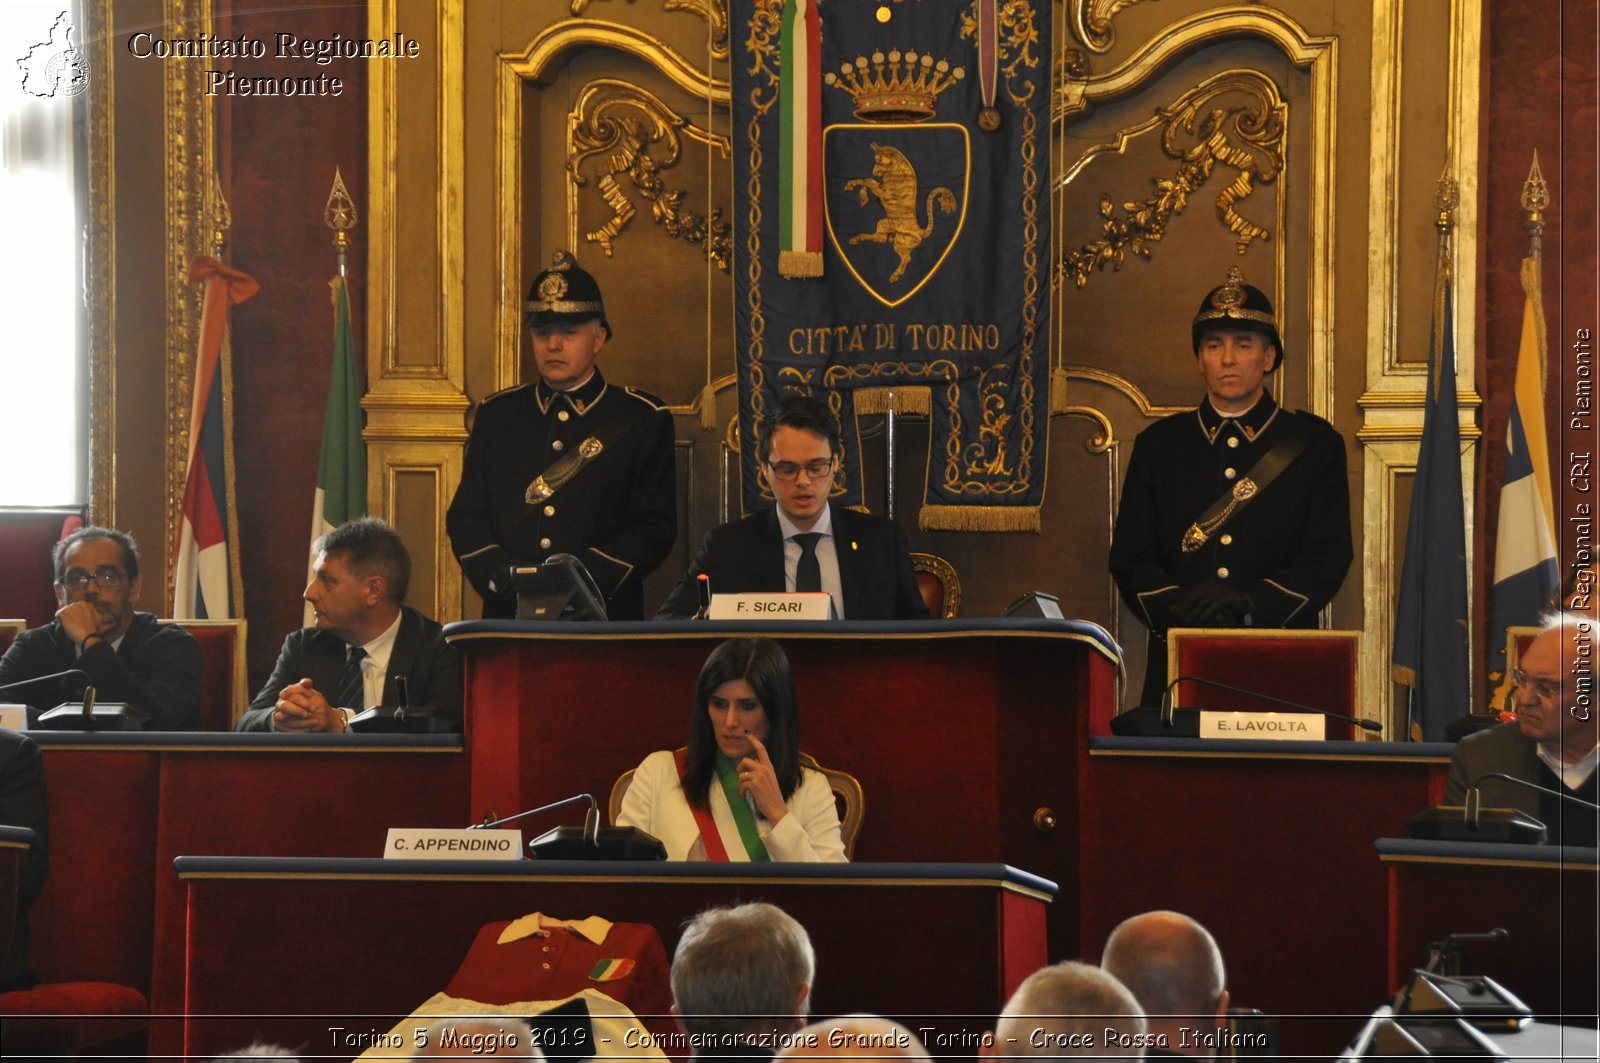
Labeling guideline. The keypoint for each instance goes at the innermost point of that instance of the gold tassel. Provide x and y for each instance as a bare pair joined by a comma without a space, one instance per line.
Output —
708,408
1058,390
979,518
800,264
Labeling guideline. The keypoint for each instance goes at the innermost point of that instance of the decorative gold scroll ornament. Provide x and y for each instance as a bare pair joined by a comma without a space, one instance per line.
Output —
715,12
624,122
1091,21
1250,137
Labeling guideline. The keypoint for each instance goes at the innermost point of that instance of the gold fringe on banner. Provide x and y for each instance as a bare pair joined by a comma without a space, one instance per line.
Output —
708,408
800,264
1058,391
979,518
900,400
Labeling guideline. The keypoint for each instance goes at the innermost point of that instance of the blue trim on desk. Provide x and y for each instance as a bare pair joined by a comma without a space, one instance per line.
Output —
312,867
1385,750
1567,855
233,741
1081,630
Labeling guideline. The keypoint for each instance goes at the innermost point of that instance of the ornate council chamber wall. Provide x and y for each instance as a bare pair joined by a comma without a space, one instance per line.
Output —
1301,141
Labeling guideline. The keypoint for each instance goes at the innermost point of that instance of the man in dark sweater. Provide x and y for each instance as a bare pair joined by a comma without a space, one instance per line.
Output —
1553,742
127,655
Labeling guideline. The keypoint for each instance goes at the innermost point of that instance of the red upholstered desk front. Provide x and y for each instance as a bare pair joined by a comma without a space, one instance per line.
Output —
380,937
1268,844
963,734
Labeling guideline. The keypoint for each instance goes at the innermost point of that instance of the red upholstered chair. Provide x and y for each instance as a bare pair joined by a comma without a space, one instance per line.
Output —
1315,668
939,584
223,694
62,1019
27,580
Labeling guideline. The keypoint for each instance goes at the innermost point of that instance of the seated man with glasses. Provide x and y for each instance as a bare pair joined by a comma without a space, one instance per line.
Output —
1554,743
804,544
128,656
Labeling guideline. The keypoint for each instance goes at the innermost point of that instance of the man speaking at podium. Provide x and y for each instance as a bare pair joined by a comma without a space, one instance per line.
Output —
1551,744
803,543
363,640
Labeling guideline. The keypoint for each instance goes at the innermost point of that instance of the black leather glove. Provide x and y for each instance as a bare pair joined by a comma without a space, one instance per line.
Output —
1212,604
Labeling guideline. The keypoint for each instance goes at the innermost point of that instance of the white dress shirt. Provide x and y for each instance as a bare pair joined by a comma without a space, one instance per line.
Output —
827,556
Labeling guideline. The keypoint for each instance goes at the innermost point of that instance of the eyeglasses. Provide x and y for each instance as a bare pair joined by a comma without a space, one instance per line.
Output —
104,577
788,470
1545,688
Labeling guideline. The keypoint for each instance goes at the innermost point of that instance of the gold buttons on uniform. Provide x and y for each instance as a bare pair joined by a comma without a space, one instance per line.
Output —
1230,473
544,544
549,511
558,446
562,415
1227,539
1233,441
1222,573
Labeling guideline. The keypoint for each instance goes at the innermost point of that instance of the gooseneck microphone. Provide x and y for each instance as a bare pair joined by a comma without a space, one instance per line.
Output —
591,820
1167,703
1472,798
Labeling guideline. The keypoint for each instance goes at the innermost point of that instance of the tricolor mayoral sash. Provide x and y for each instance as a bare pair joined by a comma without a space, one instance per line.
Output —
892,231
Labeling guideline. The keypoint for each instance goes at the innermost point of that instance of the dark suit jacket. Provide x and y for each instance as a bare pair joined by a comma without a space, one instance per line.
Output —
156,670
431,667
1501,748
747,555
22,804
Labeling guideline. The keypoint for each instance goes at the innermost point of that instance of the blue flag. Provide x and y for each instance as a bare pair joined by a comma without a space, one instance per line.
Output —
1431,628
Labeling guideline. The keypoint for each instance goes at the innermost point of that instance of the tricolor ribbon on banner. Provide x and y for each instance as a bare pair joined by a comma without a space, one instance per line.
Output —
800,142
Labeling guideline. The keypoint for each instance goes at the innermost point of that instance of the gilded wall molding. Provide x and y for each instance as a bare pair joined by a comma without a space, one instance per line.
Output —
1318,56
622,122
1250,138
538,63
100,266
714,12
189,176
416,408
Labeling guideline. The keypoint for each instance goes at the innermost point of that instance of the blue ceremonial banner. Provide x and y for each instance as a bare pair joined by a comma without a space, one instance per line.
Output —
933,143
1431,630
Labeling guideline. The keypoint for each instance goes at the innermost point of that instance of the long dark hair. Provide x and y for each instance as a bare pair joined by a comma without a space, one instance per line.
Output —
762,664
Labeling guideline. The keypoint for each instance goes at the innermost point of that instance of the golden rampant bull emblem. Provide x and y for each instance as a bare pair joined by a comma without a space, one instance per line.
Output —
894,183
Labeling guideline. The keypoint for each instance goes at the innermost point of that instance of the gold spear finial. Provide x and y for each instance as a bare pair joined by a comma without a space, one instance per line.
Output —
1445,198
220,217
1535,198
339,214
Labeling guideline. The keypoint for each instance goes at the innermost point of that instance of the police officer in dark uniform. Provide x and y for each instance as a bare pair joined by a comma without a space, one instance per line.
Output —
1236,514
571,464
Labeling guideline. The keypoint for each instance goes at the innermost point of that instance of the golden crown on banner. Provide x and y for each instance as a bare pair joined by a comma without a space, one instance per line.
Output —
897,87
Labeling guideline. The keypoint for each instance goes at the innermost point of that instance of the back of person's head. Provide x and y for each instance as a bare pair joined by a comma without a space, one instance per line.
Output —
371,547
130,549
472,1036
806,413
742,970
261,1050
763,664
856,1037
1169,962
1070,1009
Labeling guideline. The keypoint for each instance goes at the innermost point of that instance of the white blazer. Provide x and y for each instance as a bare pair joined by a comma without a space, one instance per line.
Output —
655,803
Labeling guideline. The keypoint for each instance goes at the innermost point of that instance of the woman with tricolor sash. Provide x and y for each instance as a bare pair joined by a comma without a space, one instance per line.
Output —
738,791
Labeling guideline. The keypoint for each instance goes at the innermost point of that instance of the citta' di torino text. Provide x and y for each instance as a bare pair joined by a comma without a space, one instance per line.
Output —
145,45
